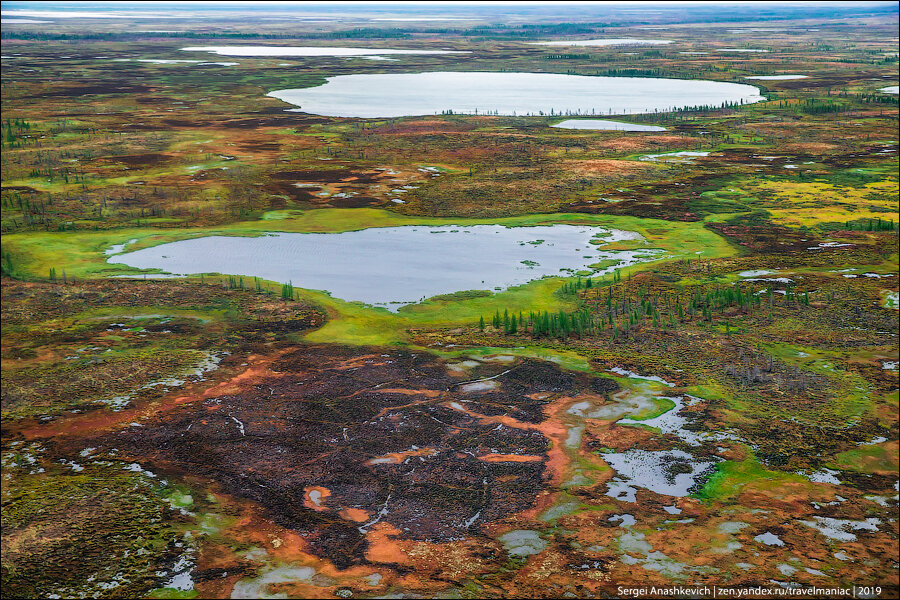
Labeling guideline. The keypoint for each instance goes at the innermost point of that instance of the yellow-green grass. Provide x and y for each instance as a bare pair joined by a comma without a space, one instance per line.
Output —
848,405
731,478
855,396
81,254
567,359
868,459
810,203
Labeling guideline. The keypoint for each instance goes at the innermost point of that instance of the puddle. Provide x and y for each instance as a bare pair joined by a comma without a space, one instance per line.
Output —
116,248
634,400
669,472
634,542
259,587
769,539
625,520
685,156
673,421
633,375
822,476
842,529
522,542
479,386
892,300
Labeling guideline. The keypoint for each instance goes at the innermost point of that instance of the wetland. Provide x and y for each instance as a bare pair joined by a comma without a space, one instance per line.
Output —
454,311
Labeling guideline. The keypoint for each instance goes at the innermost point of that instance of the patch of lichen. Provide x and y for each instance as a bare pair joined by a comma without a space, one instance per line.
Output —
78,346
100,532
80,384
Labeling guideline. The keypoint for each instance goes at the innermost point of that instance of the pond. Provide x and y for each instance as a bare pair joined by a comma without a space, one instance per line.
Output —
605,125
523,94
676,157
309,51
776,77
393,266
606,42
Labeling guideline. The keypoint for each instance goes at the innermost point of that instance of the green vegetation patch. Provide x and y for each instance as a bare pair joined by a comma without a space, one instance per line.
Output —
95,530
730,478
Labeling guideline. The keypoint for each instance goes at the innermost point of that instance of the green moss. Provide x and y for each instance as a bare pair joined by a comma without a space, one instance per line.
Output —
730,477
463,295
867,459
662,405
102,533
171,594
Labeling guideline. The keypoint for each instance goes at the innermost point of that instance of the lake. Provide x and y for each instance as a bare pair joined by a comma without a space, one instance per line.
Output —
605,42
309,51
522,94
605,125
393,266
776,77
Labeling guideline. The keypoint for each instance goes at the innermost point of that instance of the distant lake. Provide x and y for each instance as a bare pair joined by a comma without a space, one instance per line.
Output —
409,94
392,266
891,89
605,125
777,77
606,42
310,51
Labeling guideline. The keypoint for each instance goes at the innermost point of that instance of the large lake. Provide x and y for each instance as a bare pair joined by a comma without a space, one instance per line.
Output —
409,94
396,265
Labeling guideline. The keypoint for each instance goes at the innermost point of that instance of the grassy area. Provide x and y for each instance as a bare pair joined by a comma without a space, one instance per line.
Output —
732,478
880,458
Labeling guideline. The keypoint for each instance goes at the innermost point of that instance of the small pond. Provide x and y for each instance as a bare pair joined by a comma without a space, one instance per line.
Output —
602,124
606,42
776,77
392,266
522,94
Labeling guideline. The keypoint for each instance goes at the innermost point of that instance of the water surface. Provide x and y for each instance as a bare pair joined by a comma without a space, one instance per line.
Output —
777,77
309,51
605,125
409,94
605,42
392,266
